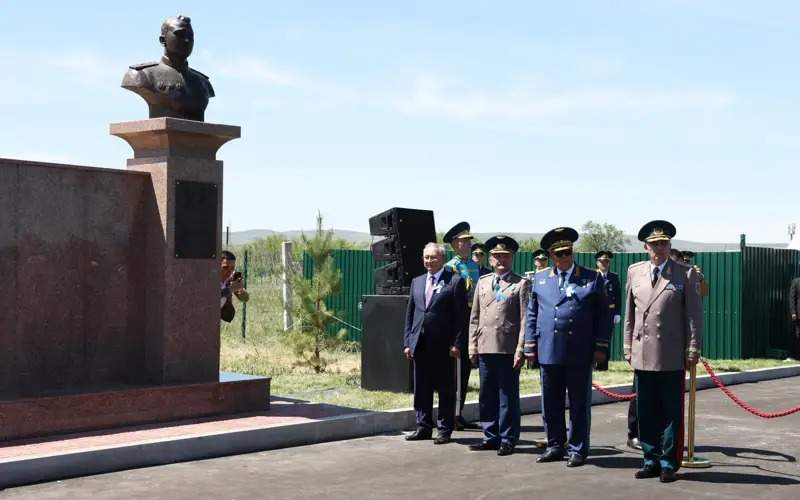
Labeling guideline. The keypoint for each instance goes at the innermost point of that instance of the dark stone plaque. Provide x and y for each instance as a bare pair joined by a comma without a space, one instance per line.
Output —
195,220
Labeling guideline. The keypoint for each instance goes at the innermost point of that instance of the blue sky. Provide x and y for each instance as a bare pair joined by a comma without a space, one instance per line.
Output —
516,116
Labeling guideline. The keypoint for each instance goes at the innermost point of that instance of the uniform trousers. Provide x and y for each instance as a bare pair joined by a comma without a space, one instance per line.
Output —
498,399
466,367
633,423
796,346
433,370
659,404
576,381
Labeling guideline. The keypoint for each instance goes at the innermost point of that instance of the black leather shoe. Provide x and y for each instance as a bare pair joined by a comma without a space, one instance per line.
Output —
668,476
551,455
442,439
576,460
647,471
505,449
482,446
419,435
462,425
634,443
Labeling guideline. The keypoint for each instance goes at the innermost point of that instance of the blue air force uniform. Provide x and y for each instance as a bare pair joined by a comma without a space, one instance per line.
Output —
567,322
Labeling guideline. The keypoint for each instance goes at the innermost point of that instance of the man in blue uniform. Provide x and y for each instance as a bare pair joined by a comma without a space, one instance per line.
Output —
460,240
539,261
567,331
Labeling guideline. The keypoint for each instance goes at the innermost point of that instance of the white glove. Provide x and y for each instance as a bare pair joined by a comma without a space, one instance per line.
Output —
617,318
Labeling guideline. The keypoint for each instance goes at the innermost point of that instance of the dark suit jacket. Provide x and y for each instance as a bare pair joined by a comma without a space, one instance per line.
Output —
614,293
794,297
441,324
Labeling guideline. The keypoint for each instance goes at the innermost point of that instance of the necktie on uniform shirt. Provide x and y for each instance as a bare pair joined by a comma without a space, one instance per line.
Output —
429,290
562,282
655,277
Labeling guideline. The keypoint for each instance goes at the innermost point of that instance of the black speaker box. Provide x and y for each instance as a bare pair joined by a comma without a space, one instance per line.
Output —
407,232
383,366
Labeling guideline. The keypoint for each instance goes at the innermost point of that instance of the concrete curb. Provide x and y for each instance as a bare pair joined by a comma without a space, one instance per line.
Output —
33,469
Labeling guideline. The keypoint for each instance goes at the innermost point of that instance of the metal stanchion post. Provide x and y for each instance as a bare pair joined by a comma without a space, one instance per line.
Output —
691,461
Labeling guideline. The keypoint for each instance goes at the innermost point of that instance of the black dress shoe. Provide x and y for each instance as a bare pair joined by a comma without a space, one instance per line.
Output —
576,460
442,439
419,435
634,443
668,476
551,455
649,470
505,449
482,446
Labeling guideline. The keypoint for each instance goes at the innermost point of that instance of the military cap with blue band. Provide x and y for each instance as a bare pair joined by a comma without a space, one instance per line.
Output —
459,231
560,238
540,254
657,230
502,244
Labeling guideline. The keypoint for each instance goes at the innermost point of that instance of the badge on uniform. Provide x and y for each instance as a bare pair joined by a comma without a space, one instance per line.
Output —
570,291
439,287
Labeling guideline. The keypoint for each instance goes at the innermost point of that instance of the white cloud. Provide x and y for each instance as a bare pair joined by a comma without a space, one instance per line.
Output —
432,96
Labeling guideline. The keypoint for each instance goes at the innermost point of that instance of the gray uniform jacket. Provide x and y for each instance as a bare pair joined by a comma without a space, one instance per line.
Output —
664,322
497,322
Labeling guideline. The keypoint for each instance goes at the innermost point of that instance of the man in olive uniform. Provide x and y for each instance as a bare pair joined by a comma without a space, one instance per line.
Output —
478,257
170,87
687,256
496,330
663,335
567,331
794,311
460,240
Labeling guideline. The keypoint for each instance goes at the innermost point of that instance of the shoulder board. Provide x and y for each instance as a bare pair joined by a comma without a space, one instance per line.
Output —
637,264
489,275
201,74
144,65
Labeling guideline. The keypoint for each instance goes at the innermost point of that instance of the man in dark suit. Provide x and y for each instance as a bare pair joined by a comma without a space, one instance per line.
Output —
434,339
794,310
567,331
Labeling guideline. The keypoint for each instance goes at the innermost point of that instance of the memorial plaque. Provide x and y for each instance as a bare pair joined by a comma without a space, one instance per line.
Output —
195,220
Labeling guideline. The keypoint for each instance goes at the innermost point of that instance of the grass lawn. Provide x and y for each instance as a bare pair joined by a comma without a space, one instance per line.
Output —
263,353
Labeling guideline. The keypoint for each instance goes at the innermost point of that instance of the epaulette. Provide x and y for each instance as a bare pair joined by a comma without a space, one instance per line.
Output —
489,275
637,264
143,65
199,73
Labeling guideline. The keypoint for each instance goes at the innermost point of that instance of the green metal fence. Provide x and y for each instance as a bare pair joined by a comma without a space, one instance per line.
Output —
762,290
766,323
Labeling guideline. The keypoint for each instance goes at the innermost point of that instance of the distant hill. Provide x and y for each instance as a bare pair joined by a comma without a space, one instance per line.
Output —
633,245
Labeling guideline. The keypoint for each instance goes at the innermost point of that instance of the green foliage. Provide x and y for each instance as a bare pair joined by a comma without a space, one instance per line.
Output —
308,338
596,236
530,245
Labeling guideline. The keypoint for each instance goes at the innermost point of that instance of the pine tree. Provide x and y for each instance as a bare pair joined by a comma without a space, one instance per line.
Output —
309,337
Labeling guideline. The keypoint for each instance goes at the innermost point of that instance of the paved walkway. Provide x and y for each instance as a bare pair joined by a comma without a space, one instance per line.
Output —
753,458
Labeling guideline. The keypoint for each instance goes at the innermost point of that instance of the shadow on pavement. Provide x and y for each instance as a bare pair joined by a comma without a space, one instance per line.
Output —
736,478
747,453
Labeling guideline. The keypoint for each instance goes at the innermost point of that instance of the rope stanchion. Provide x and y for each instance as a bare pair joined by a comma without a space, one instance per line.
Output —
755,411
613,395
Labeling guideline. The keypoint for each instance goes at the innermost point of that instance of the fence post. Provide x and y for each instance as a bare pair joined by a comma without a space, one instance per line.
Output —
244,305
286,262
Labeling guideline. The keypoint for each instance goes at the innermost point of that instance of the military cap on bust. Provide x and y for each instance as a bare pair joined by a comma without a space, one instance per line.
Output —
502,244
540,254
604,254
657,230
477,246
459,231
560,238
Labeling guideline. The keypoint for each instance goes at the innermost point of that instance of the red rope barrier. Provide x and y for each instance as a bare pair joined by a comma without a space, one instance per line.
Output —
614,395
751,409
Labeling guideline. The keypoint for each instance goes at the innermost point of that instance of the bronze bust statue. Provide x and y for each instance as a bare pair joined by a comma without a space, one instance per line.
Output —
170,86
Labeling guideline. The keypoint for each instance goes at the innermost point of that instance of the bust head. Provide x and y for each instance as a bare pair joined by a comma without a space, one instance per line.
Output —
177,37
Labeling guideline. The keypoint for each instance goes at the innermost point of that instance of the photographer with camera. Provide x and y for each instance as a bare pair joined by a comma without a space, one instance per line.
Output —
230,285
